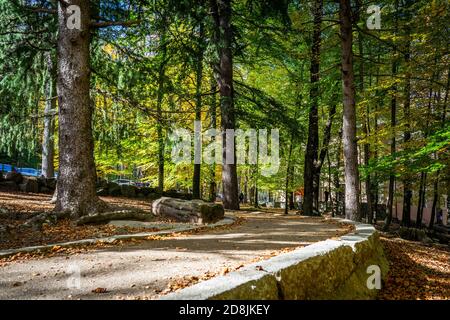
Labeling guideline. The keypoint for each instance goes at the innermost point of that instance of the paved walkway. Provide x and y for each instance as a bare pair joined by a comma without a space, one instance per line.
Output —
146,269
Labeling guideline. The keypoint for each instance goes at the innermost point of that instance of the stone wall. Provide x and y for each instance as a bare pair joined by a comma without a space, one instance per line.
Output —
331,269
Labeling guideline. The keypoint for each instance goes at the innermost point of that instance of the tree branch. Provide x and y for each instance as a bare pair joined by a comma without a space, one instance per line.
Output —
104,24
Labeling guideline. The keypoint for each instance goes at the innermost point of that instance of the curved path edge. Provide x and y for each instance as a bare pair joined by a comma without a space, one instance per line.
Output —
351,267
112,239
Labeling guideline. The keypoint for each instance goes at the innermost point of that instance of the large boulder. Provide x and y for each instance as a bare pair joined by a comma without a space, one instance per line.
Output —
194,211
29,184
13,176
102,183
114,189
45,190
128,191
412,234
4,232
144,191
50,183
153,196
102,192
46,185
9,186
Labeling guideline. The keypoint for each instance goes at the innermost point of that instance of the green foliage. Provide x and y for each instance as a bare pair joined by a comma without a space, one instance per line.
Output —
271,48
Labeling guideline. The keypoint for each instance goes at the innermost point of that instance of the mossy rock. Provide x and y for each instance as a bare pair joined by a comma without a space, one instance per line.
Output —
114,189
412,234
128,191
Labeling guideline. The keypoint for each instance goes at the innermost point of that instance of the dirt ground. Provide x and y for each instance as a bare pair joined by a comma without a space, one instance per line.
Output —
147,269
22,206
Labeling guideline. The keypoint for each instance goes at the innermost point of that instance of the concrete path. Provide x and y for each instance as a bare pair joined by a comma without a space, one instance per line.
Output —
146,269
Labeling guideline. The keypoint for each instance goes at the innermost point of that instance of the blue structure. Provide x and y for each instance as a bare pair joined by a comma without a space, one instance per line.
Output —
24,171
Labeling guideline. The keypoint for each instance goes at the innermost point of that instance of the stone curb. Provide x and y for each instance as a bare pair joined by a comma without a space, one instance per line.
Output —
10,252
330,269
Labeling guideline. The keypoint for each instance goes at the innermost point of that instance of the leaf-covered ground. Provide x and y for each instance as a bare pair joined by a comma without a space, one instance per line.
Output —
64,231
18,207
417,270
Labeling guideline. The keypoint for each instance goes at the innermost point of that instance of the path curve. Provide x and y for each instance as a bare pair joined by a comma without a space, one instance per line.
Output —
146,269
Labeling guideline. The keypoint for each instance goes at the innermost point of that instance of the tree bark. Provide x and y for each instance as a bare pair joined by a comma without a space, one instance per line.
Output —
337,185
407,184
221,11
435,200
159,116
375,184
195,211
287,182
323,151
420,205
389,215
77,175
310,180
349,125
423,174
198,110
212,169
368,185
329,186
48,143
436,181
256,202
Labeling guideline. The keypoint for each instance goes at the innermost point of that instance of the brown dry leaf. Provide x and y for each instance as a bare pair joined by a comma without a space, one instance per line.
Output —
224,271
417,271
100,290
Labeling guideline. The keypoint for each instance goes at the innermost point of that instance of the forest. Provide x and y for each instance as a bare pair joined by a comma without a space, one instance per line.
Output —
350,98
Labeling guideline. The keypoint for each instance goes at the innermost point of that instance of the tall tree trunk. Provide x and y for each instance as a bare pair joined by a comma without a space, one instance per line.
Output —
198,110
388,220
423,174
212,169
77,175
436,181
349,125
329,185
407,184
375,184
368,185
221,11
256,196
309,175
288,174
159,115
390,203
336,182
247,172
420,205
435,200
323,150
48,143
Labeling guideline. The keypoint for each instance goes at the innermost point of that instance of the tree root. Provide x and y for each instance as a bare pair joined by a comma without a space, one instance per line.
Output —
37,221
